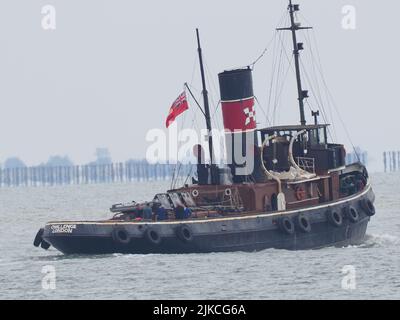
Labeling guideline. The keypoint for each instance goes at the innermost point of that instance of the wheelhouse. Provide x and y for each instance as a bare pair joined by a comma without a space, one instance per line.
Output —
310,148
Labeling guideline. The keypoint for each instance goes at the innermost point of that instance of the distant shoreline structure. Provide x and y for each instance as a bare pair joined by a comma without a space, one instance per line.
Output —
120,172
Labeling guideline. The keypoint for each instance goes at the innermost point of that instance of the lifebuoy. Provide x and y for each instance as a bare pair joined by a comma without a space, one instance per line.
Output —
368,207
121,235
38,238
303,223
184,233
335,218
300,193
352,214
195,193
153,236
286,225
228,192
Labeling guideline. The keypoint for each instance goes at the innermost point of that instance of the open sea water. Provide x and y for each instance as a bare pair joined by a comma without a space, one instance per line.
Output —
270,274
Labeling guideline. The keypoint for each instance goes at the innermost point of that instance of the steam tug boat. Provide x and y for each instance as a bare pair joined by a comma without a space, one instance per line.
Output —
292,191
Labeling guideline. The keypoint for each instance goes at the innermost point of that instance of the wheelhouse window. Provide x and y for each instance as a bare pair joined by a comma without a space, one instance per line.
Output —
317,137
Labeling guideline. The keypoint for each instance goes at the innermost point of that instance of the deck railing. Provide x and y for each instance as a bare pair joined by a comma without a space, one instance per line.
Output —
307,164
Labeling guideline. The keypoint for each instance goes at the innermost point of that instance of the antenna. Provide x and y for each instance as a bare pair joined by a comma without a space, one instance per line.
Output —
297,47
315,114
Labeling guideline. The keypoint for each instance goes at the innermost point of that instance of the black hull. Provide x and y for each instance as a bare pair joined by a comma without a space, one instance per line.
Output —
250,233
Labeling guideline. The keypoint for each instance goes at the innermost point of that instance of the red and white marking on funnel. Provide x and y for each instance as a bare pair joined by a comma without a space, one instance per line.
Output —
239,115
250,115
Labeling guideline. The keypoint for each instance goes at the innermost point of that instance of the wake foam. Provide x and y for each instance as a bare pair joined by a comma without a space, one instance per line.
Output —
380,240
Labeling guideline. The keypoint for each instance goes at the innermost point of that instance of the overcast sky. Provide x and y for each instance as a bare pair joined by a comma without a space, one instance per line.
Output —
111,69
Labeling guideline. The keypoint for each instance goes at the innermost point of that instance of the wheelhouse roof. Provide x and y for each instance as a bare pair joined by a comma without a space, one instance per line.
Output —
293,128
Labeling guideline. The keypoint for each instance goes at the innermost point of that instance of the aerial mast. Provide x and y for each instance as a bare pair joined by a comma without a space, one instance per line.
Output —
206,109
297,47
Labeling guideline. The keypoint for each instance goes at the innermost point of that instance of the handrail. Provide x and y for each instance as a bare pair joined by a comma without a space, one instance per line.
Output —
266,171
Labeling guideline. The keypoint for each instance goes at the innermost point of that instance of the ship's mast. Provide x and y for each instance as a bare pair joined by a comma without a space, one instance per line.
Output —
297,47
206,109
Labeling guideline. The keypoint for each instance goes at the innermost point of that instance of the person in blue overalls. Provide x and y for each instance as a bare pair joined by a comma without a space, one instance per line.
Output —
161,213
187,213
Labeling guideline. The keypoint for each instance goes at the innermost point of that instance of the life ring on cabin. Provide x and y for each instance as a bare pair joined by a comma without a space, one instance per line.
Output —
286,225
195,193
352,214
368,207
121,235
228,192
38,238
334,217
153,236
303,223
300,193
184,233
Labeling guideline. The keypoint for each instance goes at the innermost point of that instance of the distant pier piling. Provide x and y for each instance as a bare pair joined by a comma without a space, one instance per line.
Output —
129,172
391,161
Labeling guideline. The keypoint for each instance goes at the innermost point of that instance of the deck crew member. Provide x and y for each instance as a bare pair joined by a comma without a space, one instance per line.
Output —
179,212
147,212
161,213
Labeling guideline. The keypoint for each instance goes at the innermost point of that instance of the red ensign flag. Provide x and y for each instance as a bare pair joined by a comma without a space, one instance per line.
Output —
179,106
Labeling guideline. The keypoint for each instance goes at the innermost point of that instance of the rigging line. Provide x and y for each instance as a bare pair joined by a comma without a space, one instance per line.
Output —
209,76
178,162
275,72
194,120
173,178
215,119
323,111
194,98
320,69
309,61
269,43
317,92
177,174
262,109
178,165
333,100
194,69
283,82
272,77
329,102
213,86
311,53
189,174
260,57
308,79
192,88
284,46
317,80
217,108
279,82
343,124
283,49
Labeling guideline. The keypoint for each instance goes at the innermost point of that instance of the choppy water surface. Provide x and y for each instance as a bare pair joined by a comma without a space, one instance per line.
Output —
270,274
